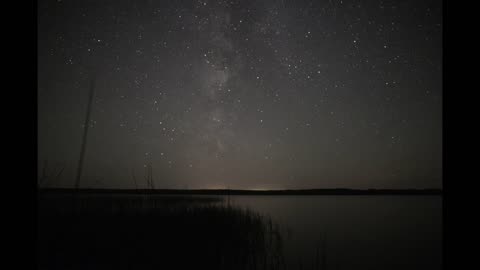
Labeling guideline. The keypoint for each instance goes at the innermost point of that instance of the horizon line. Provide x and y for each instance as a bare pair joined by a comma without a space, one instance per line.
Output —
311,191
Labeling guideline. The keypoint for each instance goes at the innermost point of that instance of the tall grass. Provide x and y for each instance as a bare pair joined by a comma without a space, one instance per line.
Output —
153,232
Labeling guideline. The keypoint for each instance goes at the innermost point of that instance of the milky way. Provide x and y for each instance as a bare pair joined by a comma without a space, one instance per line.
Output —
242,94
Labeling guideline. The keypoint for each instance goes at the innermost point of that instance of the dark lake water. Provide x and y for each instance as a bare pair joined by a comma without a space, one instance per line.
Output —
359,232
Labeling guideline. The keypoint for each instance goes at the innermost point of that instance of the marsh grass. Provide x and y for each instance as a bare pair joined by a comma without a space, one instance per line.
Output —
153,232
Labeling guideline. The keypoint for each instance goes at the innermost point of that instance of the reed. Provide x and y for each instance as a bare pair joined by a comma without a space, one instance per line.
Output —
170,232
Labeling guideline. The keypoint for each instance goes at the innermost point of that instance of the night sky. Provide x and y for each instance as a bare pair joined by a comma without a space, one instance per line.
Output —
242,94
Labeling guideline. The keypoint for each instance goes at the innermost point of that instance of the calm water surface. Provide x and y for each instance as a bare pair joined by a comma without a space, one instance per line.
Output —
359,232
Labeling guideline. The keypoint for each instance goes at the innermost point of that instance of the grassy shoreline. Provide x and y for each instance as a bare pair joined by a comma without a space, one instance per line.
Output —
150,232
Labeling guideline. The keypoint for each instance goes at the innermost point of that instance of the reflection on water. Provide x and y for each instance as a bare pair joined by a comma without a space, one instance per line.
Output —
357,232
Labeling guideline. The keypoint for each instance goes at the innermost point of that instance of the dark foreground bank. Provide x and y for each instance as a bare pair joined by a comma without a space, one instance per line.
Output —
150,232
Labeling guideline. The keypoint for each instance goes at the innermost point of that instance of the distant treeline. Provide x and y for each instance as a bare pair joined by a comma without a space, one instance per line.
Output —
335,191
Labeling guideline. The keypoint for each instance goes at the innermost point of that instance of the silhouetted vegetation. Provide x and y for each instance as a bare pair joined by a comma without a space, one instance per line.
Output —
153,232
49,175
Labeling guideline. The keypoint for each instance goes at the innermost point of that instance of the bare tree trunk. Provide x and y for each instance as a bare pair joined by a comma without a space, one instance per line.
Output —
85,133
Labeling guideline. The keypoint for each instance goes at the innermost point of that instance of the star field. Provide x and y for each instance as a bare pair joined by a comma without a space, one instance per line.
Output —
243,94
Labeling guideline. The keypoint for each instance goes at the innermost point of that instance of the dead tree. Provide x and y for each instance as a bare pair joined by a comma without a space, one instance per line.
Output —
85,133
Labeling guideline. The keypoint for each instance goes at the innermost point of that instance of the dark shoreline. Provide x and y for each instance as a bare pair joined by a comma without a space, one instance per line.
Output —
339,191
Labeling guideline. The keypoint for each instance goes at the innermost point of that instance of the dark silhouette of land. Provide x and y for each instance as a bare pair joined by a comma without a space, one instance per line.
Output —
335,191
153,232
